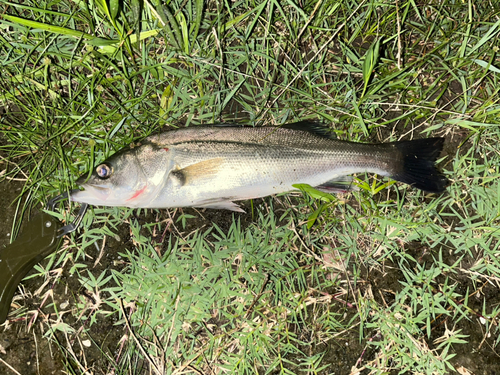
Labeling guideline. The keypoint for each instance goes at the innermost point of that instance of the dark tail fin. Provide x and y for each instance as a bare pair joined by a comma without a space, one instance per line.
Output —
418,167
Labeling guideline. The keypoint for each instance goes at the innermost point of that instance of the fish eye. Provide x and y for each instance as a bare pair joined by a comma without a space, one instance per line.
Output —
103,171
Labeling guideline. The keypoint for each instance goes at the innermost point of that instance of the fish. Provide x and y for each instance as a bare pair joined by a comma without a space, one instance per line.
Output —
215,166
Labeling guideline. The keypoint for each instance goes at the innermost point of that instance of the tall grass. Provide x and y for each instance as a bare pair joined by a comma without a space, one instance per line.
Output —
384,280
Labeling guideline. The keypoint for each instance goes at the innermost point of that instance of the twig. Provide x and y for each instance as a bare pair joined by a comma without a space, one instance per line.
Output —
155,12
101,253
400,48
132,333
311,17
257,297
9,366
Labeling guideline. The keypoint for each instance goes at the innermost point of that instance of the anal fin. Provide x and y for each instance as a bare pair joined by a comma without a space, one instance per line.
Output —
342,184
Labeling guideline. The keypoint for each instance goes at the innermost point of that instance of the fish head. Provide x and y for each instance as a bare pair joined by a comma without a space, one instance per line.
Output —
118,181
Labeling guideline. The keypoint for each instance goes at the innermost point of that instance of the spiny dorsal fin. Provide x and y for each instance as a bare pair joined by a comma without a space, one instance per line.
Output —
314,127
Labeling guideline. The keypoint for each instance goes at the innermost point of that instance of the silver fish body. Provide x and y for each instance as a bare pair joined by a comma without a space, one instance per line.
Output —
217,165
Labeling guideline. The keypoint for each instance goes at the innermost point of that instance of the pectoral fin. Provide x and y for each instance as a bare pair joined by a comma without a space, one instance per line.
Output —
193,173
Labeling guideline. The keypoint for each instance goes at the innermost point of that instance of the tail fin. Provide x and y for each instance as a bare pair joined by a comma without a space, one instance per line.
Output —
418,167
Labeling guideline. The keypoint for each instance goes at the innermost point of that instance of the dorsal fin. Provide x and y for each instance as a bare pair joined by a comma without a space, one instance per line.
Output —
314,127
311,126
238,133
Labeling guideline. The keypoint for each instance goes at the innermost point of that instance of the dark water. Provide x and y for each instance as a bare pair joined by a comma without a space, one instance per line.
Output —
25,351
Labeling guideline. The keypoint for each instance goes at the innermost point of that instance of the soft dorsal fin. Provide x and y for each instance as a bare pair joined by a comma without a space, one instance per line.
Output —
314,127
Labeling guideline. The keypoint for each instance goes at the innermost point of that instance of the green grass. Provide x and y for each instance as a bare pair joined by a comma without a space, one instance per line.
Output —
385,280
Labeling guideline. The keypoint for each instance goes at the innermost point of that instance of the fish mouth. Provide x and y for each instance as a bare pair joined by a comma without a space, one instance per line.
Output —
92,194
